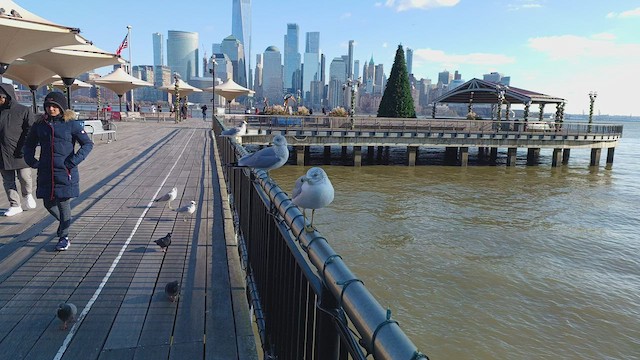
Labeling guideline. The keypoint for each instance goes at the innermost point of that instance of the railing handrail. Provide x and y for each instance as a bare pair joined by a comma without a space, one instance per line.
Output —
380,335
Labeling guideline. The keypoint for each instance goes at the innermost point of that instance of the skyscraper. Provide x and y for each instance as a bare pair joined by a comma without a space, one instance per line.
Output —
158,49
409,58
182,53
350,61
233,48
272,84
241,29
291,58
311,70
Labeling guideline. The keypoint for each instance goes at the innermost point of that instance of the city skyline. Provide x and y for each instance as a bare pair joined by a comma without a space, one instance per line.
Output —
548,46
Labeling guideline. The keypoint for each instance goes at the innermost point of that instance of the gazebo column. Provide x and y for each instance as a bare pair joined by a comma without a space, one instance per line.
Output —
541,114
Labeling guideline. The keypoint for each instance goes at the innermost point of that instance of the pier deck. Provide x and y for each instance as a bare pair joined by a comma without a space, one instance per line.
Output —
113,271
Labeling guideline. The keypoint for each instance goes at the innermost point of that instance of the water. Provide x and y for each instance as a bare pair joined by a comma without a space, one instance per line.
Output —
492,262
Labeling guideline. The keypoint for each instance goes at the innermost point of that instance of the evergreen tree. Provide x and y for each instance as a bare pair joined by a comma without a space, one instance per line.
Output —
397,101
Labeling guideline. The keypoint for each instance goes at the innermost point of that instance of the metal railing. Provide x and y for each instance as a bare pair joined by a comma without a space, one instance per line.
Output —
307,303
320,122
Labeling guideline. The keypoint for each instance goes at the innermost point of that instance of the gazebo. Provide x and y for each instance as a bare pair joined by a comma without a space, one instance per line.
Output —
476,91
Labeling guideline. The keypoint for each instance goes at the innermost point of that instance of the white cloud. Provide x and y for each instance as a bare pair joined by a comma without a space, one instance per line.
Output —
625,14
346,15
453,60
524,5
572,47
384,44
403,5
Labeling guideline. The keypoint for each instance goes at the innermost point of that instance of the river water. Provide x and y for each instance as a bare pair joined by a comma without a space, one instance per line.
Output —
490,262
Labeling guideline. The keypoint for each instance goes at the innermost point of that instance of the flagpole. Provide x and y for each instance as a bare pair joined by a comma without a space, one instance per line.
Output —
132,108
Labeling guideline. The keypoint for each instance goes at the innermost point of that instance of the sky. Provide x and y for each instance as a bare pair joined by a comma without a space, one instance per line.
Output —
563,48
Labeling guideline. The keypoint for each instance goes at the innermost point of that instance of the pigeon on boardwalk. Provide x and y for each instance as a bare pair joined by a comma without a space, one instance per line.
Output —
172,290
164,242
67,313
187,210
268,158
169,197
235,131
312,191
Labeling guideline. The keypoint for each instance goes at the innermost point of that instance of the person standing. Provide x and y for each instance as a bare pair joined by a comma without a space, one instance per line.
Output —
58,178
204,111
15,122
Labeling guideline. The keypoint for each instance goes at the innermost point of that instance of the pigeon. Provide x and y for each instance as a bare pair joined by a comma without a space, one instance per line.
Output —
187,210
169,197
164,242
312,191
172,290
235,131
268,158
67,313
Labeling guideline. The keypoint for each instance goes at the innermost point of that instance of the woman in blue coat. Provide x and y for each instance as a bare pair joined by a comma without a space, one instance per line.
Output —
58,177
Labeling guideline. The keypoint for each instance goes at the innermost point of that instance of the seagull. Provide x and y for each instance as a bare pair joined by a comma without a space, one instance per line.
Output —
164,242
312,191
67,313
187,209
169,197
268,158
172,290
236,131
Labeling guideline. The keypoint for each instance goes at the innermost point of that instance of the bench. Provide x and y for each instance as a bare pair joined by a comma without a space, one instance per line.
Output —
96,127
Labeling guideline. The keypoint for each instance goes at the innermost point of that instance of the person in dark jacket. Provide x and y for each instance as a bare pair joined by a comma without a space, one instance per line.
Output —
15,122
58,178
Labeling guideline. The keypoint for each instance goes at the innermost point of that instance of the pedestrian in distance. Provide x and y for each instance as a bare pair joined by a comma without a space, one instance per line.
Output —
204,111
58,179
15,122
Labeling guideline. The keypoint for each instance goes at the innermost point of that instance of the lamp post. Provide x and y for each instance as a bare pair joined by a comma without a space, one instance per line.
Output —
98,102
213,100
354,85
176,100
592,98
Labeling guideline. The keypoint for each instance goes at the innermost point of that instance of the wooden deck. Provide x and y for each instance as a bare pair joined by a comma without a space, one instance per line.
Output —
113,271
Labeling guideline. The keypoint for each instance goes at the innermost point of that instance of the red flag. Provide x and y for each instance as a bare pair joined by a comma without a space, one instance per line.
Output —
124,45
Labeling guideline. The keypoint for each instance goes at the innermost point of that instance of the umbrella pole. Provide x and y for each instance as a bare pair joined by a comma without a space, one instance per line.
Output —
33,98
120,101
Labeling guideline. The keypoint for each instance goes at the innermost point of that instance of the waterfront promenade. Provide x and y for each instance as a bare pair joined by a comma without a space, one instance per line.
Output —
113,271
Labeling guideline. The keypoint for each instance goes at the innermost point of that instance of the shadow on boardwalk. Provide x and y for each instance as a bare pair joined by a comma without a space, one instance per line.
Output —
115,273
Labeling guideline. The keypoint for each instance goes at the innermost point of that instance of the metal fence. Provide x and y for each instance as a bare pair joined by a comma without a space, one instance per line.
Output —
307,303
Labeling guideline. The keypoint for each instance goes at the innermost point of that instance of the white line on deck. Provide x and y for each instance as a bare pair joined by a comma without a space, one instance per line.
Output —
93,299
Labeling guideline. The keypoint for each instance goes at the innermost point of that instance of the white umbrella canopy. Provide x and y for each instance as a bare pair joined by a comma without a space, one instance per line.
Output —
230,90
184,88
77,84
29,74
120,82
73,60
25,33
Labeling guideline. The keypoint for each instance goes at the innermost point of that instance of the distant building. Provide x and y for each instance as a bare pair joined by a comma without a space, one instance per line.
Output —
444,78
356,69
272,84
234,49
241,30
292,58
350,61
497,78
158,49
311,70
409,60
182,53
337,78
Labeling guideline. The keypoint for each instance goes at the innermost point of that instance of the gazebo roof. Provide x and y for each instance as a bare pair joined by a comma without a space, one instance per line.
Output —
486,92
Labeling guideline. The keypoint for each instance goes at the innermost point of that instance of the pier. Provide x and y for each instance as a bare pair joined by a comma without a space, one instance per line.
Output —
455,136
253,281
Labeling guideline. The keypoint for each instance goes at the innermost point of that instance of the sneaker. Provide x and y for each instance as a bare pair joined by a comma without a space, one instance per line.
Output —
14,210
63,243
30,202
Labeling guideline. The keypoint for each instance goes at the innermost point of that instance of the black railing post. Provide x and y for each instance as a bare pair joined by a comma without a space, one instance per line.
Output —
328,339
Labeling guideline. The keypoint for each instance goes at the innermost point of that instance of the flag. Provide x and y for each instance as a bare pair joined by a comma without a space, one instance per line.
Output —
124,45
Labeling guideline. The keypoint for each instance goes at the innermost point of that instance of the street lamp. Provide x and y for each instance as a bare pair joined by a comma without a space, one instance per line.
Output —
592,98
213,101
176,100
354,85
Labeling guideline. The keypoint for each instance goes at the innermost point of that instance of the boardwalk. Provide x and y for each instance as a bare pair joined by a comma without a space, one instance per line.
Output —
115,273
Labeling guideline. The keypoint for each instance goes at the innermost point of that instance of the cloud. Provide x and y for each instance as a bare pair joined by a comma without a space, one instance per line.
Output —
625,14
403,5
524,5
572,47
452,60
346,15
385,44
